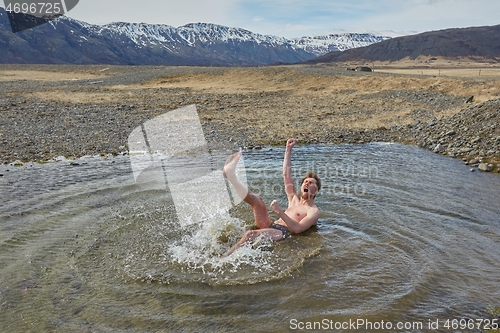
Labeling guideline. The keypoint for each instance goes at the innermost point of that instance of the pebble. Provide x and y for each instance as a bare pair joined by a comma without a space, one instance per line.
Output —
484,167
439,148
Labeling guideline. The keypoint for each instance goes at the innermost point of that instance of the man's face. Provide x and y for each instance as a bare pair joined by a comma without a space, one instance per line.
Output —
309,187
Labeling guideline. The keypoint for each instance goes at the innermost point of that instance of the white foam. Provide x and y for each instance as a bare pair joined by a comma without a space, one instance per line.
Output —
203,251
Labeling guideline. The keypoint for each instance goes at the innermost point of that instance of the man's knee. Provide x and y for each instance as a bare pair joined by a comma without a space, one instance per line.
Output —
250,235
254,199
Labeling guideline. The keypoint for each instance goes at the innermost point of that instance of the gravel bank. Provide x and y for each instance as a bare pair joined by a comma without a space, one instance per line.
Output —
41,120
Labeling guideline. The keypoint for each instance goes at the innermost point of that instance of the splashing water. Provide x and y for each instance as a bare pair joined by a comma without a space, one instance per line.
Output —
203,250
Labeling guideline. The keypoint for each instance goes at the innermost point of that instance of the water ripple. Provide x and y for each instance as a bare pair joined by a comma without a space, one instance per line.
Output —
403,234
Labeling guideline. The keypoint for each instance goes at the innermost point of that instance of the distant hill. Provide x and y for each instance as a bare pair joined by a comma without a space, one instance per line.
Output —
475,43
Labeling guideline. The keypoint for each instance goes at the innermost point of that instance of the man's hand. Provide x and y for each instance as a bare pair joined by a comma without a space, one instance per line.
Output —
275,207
290,143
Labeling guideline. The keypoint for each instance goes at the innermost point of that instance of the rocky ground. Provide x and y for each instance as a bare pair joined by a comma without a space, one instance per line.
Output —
73,111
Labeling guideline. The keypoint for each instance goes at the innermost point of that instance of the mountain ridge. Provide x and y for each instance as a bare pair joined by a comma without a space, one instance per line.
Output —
475,43
69,41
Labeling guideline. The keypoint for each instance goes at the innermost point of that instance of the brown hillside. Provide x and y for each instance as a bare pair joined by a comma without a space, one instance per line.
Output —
477,43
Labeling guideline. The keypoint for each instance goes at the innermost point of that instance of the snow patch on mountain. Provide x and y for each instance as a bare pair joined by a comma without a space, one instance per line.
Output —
194,34
321,44
389,33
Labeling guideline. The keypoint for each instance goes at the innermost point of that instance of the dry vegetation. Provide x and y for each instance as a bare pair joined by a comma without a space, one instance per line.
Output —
263,105
334,96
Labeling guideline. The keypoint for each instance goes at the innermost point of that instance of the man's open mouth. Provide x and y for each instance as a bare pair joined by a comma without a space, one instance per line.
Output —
306,190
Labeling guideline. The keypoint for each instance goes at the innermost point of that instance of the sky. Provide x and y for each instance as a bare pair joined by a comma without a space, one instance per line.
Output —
294,18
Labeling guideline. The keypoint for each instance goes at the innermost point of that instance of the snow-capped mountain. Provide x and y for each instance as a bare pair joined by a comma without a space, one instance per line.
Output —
66,40
192,34
388,33
321,44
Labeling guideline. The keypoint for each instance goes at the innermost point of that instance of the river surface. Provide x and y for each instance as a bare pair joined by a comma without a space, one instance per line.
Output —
406,237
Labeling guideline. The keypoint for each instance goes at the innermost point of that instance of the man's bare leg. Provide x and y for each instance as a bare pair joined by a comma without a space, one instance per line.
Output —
259,208
249,236
229,171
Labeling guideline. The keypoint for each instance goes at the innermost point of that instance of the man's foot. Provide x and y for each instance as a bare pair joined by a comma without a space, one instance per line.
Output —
229,169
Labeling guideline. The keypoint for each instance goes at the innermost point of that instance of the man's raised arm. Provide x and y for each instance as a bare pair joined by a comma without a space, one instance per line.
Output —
287,169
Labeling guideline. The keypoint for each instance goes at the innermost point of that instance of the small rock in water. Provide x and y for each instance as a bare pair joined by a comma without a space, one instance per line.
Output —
29,286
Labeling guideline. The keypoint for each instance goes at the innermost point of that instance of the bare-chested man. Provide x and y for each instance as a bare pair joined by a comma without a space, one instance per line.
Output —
300,215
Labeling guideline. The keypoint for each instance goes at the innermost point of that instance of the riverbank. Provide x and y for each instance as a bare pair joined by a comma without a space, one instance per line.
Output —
74,111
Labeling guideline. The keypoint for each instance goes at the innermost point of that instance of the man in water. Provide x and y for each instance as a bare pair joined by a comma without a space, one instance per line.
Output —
300,215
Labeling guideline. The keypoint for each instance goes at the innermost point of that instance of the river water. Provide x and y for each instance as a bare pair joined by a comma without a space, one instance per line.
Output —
406,237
